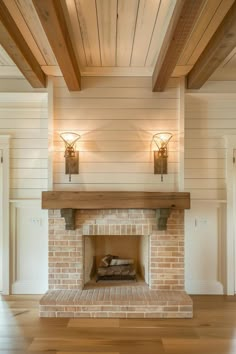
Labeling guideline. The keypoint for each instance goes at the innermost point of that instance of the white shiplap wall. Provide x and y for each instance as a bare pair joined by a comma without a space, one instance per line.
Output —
116,118
208,118
24,116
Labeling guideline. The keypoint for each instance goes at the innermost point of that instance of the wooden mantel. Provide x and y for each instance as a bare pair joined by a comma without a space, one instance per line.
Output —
68,202
115,200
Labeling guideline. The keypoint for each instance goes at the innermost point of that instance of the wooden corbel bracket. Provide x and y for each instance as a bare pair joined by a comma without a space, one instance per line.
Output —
69,215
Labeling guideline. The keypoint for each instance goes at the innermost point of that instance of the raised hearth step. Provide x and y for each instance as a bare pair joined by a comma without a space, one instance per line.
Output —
118,302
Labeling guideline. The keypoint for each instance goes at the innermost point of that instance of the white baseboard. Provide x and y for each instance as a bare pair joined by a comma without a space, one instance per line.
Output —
201,287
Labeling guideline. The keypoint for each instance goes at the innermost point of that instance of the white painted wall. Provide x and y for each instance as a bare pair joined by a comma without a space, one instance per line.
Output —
24,117
1,222
209,115
116,118
29,247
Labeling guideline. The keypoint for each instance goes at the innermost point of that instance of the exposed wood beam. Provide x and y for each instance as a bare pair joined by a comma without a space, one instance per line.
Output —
182,22
17,48
219,47
53,20
115,200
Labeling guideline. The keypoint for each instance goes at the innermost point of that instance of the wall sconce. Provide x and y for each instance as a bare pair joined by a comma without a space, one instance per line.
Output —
161,155
71,156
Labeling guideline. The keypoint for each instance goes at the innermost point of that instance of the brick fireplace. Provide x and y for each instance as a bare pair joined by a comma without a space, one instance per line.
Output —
160,294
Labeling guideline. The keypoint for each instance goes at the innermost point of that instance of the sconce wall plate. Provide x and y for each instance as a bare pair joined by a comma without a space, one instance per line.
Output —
160,163
161,155
71,155
72,164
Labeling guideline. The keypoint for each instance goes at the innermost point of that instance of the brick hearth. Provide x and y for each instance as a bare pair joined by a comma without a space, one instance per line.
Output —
164,297
122,302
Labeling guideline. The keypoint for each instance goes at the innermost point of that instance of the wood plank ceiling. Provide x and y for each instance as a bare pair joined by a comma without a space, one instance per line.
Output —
77,38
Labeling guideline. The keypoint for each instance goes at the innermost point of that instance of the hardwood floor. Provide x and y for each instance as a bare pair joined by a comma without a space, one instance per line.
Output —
211,331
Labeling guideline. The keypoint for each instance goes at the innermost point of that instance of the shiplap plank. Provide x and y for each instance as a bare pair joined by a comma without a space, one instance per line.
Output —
210,114
29,183
113,167
25,133
213,86
23,123
208,118
115,82
116,103
121,92
211,123
106,17
205,173
109,113
126,187
205,183
210,143
25,163
204,163
14,84
162,22
112,145
126,23
24,117
204,133
95,156
207,194
116,125
19,193
29,173
19,113
29,153
87,15
116,134
147,14
28,143
203,153
112,135
114,178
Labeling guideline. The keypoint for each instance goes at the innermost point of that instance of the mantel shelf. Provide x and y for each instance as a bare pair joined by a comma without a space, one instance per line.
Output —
115,200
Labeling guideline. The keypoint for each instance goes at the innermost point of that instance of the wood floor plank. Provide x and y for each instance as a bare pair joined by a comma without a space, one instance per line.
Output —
211,331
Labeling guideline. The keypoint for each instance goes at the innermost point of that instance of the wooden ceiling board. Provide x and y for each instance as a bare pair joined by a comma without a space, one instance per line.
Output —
87,15
147,16
52,17
126,23
163,19
28,11
17,48
74,28
210,30
23,28
107,16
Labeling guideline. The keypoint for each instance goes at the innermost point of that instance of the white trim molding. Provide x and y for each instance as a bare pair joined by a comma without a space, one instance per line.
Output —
38,225
231,209
5,146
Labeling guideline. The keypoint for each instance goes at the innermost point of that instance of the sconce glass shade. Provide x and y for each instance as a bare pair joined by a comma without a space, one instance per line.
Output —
162,140
69,139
